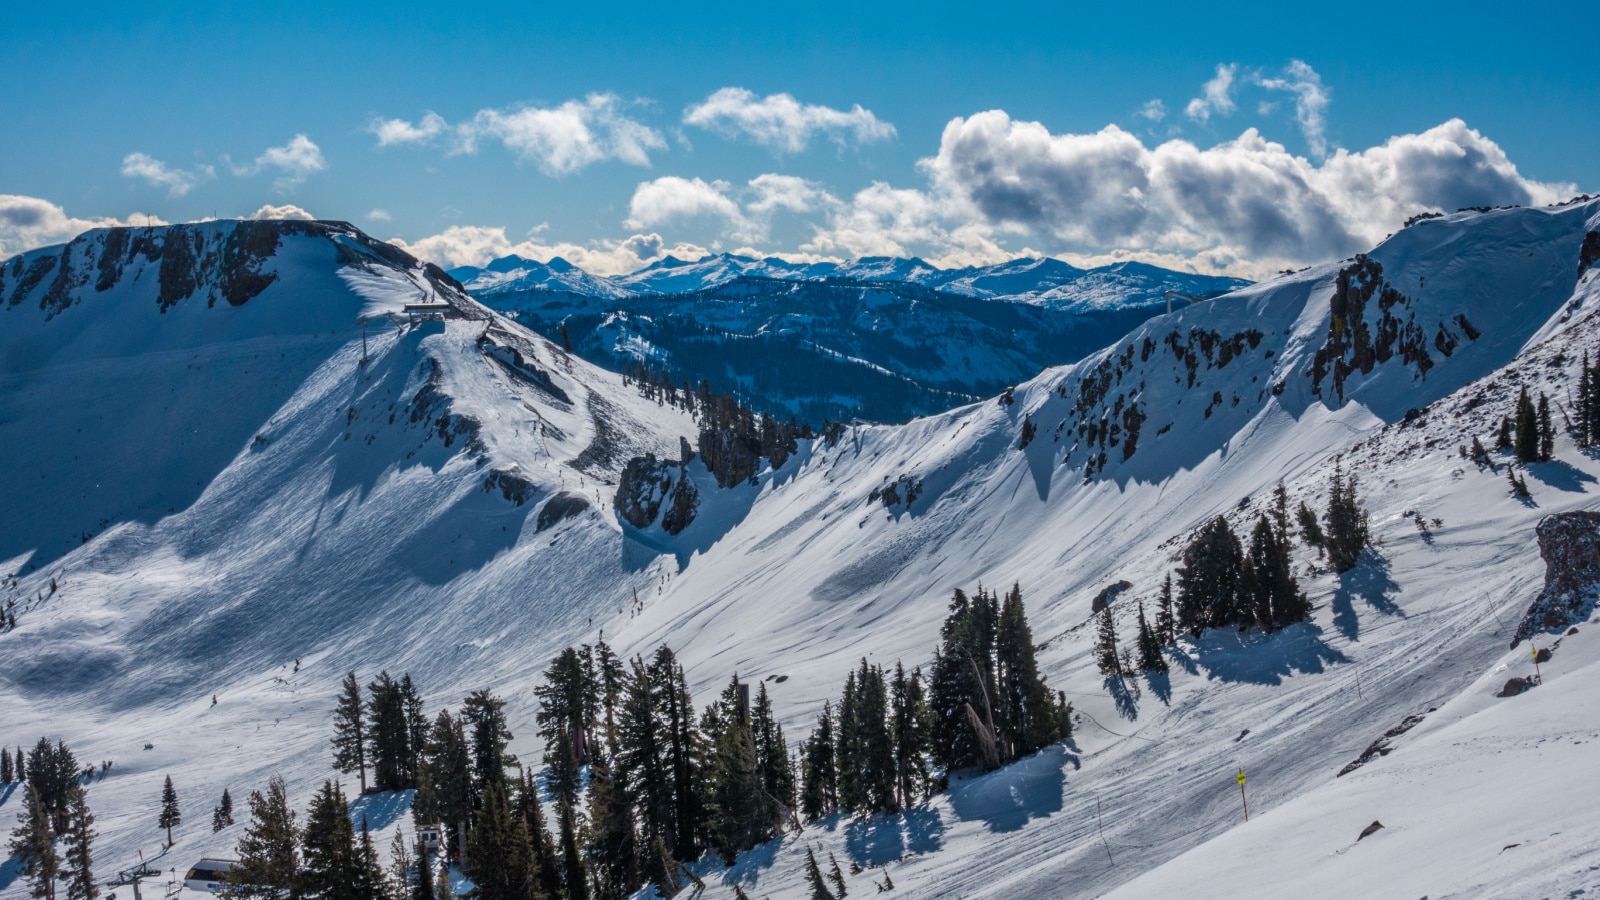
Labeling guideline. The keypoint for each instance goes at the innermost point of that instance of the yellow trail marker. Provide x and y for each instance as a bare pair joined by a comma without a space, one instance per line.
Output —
1242,798
1241,776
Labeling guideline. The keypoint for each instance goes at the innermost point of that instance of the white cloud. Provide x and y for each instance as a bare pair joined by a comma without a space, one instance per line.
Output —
1310,102
155,172
1216,96
286,211
1247,199
782,123
670,197
379,215
559,140
1154,110
29,222
294,162
399,131
473,245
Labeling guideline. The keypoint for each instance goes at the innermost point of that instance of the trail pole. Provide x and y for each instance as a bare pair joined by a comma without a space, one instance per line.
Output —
1536,672
1242,798
1101,828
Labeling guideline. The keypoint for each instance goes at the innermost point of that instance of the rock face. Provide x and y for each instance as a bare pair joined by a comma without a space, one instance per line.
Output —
647,484
732,457
1570,545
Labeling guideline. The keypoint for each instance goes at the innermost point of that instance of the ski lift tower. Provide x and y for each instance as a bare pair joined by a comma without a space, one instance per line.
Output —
133,876
1181,296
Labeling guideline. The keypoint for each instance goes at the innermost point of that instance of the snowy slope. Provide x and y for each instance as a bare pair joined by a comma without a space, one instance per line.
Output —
353,554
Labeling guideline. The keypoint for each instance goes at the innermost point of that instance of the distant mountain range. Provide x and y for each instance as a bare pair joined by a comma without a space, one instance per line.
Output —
878,338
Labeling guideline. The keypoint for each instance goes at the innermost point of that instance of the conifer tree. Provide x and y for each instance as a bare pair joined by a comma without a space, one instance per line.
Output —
170,814
499,858
33,846
772,758
5,766
53,772
422,887
835,875
388,734
1150,657
349,731
1547,432
547,871
737,813
370,883
1273,593
1105,645
909,728
445,794
565,772
268,864
79,856
612,843
1208,580
819,887
485,718
1527,441
962,676
331,861
574,877
1503,440
820,796
566,705
416,720
1166,618
400,861
1310,528
1347,533
1027,718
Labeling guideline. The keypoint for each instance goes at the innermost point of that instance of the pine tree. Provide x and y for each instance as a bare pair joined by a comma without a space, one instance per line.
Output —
370,883
772,759
402,885
1310,528
33,846
5,766
170,814
79,840
547,871
1166,619
566,774
416,720
1346,520
499,857
445,792
1527,441
1150,657
485,718
574,877
962,677
332,862
1547,432
1208,580
53,772
349,731
388,734
269,860
225,808
1273,592
1027,717
736,809
909,729
836,876
1105,645
612,843
1503,440
567,705
422,887
819,887
820,796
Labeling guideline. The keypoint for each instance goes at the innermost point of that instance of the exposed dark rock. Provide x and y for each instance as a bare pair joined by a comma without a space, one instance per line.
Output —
1108,594
1570,545
648,482
1369,830
248,246
1516,686
1381,746
732,458
559,508
513,486
1589,253
685,504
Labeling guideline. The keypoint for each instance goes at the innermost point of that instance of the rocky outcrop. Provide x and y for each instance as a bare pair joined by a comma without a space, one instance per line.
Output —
732,457
648,484
512,485
559,508
1570,545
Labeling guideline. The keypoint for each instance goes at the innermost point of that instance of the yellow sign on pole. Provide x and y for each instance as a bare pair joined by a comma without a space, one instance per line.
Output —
1241,776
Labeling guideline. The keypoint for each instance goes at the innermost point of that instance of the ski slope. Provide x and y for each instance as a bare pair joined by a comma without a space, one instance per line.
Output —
346,541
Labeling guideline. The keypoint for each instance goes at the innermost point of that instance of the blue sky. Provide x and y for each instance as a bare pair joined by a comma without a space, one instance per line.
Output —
1224,137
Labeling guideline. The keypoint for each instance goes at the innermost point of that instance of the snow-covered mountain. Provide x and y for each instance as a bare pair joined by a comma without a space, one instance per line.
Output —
1043,280
879,338
183,528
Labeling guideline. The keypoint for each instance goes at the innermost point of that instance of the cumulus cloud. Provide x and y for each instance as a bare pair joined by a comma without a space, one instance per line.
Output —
294,162
745,213
157,173
379,215
286,211
1216,96
398,131
1248,199
29,222
671,197
1154,110
1310,102
782,123
473,245
559,140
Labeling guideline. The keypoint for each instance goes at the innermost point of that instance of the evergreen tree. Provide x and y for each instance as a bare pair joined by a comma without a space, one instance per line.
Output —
6,773
79,840
1346,520
819,887
33,846
1503,440
1105,644
547,872
1166,617
737,813
836,876
1280,514
1310,528
566,705
499,858
53,772
612,844
350,731
820,796
565,773
1208,580
269,861
422,887
1547,432
772,758
1028,718
416,720
962,677
485,717
445,793
1151,658
909,729
331,861
222,815
170,814
401,883
388,734
681,747
641,756
1272,592
1527,442
872,747
574,877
